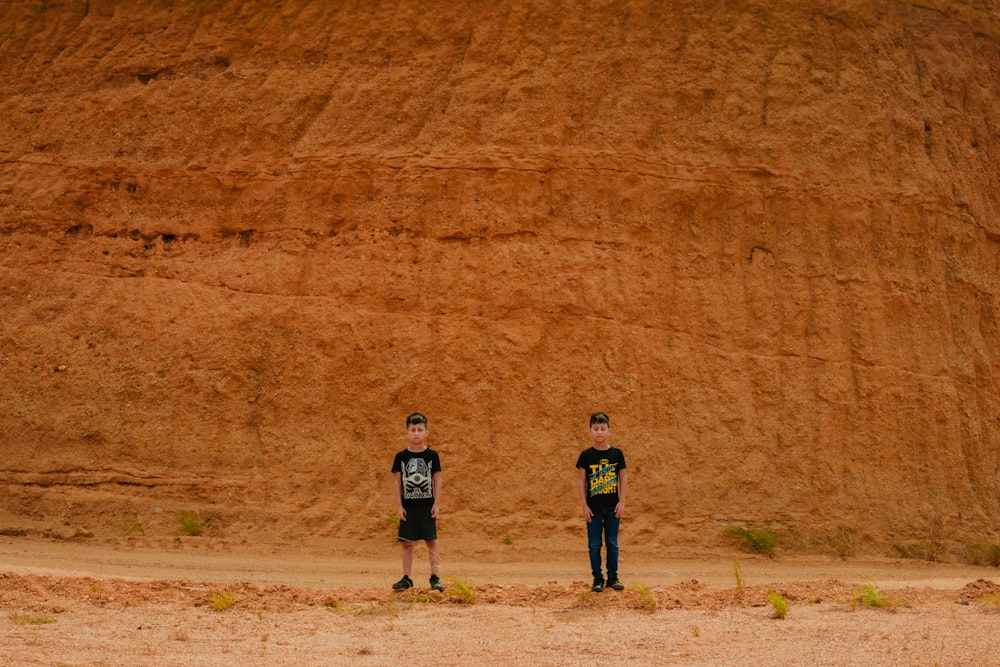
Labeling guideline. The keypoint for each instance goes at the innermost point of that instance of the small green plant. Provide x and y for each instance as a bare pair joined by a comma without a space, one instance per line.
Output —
365,610
994,555
507,539
870,596
983,554
191,6
738,573
588,599
374,609
460,591
843,542
222,599
7,37
695,631
420,597
643,599
391,523
929,550
32,619
129,525
778,603
98,591
993,599
755,539
191,523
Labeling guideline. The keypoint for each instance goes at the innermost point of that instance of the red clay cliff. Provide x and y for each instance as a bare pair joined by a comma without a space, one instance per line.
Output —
240,241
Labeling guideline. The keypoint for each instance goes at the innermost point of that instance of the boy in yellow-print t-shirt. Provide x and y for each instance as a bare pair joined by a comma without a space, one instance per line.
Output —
603,485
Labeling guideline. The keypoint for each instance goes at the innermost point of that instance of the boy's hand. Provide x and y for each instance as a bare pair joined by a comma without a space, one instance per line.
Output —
588,513
620,509
401,513
434,511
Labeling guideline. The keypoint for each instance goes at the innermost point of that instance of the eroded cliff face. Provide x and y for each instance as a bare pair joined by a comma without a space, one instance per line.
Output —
242,240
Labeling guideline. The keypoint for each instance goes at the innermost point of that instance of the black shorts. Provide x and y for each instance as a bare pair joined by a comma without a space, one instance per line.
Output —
418,525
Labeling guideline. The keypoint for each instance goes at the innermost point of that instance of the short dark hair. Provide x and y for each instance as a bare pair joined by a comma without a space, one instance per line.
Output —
416,418
600,418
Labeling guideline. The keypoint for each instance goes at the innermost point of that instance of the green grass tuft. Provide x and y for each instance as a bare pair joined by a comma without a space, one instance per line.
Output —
870,596
222,599
373,609
738,573
983,554
129,525
778,603
32,619
929,550
643,599
755,539
456,591
390,522
460,591
843,542
191,6
421,597
191,523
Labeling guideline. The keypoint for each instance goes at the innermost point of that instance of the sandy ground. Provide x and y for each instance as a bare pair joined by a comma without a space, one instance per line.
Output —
128,602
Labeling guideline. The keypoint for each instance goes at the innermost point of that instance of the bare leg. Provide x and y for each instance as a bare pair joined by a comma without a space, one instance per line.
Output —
407,557
434,555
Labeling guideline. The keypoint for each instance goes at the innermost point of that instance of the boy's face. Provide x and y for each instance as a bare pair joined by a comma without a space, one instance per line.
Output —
416,434
599,433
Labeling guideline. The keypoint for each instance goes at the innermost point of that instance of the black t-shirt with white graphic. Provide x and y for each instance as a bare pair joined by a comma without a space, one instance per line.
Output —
417,470
601,467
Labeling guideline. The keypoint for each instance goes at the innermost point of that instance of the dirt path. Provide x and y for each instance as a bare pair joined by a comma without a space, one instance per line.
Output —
351,563
80,603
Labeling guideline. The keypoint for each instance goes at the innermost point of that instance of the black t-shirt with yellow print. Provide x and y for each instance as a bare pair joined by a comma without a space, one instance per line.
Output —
601,467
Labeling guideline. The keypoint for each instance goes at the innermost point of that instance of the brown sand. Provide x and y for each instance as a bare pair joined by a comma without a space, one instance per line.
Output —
129,603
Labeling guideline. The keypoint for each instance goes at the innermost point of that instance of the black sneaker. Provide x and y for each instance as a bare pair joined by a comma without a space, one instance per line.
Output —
436,583
598,585
402,584
615,584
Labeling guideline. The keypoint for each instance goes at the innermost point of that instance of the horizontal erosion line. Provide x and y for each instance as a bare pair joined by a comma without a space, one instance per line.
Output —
110,478
736,179
626,165
320,169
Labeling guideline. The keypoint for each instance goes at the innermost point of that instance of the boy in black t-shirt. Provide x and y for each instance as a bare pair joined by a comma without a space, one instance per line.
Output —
417,488
603,483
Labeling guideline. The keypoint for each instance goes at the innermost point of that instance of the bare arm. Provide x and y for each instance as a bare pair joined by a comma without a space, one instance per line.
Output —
397,492
622,492
436,481
581,487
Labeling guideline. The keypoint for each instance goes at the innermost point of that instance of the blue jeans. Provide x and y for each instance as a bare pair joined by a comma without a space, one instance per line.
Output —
603,524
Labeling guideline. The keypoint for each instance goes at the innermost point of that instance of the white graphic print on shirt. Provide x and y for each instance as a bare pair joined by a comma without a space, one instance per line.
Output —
417,479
